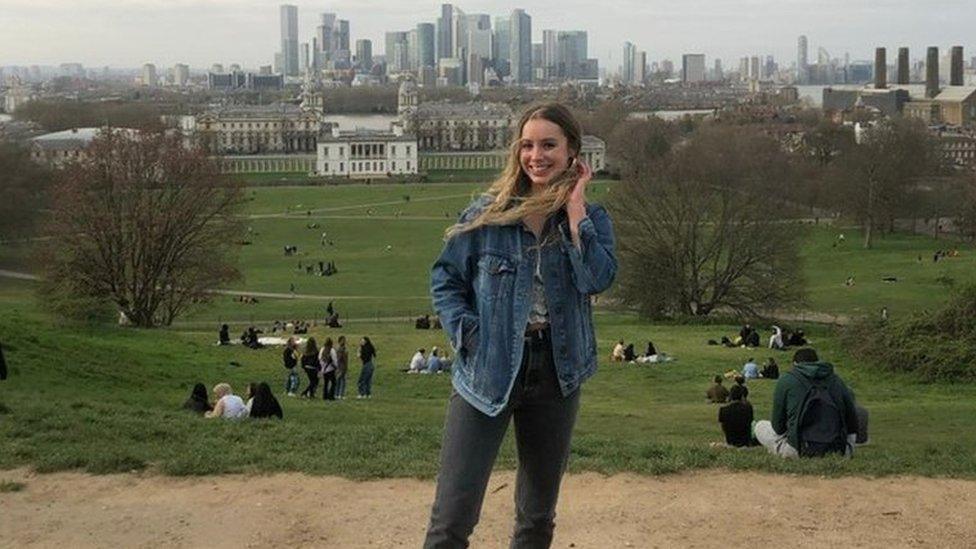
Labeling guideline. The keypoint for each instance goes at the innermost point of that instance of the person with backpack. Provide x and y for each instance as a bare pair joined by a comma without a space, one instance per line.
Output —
813,411
289,359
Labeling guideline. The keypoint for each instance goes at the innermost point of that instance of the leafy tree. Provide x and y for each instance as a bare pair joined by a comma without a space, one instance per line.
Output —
144,223
699,230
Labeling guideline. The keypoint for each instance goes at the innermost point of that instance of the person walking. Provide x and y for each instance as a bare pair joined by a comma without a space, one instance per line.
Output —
512,287
367,353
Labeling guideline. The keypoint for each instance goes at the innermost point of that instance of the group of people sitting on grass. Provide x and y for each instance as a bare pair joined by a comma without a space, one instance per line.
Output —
426,323
749,337
813,411
260,402
626,353
436,363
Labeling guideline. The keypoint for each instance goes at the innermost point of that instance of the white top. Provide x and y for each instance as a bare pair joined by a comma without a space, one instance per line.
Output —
418,362
234,407
330,365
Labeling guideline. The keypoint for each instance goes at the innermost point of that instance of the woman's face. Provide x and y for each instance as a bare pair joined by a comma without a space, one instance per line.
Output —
543,151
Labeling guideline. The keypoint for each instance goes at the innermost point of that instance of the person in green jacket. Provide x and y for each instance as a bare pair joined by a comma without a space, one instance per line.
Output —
781,435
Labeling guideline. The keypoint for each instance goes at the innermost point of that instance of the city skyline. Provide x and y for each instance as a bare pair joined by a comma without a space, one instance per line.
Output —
127,34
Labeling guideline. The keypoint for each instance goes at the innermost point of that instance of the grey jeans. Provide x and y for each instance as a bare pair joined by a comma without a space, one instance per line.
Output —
544,421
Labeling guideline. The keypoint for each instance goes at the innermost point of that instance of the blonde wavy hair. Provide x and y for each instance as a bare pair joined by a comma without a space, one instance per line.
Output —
511,194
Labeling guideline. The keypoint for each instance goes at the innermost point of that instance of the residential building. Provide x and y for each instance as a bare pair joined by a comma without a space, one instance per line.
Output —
693,68
181,75
149,77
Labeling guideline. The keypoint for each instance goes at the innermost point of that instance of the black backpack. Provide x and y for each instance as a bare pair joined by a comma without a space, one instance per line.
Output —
820,425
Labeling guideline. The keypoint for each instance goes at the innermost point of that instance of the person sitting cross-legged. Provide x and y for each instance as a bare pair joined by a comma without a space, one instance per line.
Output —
717,393
813,411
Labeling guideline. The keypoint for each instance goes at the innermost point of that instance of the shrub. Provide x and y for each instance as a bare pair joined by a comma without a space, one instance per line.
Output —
935,345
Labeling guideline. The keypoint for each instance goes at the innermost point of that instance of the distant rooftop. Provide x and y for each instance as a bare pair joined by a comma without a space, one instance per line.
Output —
74,138
955,93
474,108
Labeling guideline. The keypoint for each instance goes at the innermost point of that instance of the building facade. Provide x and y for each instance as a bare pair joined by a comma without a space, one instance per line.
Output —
362,154
265,129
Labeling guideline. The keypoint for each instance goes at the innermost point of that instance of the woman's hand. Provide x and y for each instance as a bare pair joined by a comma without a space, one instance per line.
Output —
576,206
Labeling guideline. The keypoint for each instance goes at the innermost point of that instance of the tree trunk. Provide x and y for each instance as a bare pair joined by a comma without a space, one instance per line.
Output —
867,234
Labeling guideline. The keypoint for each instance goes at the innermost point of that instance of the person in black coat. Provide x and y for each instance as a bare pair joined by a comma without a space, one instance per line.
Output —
3,365
198,402
265,404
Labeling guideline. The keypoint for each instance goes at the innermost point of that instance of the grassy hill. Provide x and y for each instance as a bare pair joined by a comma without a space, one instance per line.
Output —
107,399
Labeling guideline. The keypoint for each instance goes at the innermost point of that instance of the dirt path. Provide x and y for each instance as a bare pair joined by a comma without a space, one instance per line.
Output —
704,509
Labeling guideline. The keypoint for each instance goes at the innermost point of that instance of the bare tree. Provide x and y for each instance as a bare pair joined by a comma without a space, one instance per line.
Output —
699,230
633,143
145,223
875,180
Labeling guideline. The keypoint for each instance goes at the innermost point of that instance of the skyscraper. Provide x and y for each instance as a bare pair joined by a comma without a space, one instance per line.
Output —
627,63
693,67
445,32
364,54
550,55
325,40
342,35
181,74
802,70
572,53
426,48
149,75
640,67
520,51
396,52
289,40
501,45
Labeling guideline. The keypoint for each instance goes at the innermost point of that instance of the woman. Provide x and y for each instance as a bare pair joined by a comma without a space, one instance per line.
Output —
327,364
533,235
342,367
289,359
366,355
310,363
198,402
229,405
264,404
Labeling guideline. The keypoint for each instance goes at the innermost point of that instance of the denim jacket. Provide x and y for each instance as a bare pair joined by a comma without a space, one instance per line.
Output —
481,287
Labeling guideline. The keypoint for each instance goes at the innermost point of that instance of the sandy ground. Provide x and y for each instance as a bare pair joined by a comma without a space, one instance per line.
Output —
703,509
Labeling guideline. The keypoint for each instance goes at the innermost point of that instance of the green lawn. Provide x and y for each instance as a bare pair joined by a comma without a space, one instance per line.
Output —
107,399
826,268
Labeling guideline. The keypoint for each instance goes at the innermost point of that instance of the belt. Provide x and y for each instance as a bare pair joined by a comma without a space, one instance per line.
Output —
537,332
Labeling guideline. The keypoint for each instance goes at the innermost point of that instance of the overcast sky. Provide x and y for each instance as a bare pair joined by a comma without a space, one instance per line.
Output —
128,33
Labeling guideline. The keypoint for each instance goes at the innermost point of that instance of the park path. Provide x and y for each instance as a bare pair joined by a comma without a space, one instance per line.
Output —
706,509
359,206
814,317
